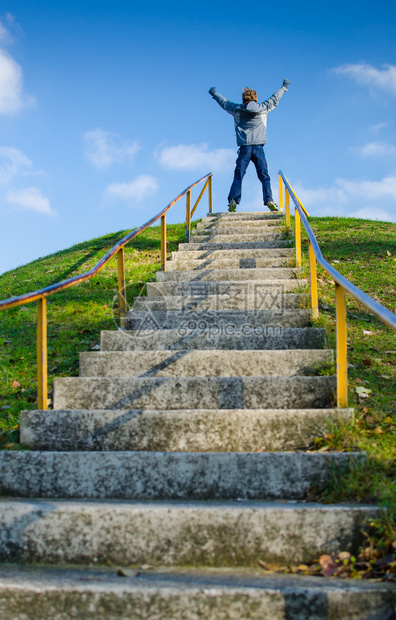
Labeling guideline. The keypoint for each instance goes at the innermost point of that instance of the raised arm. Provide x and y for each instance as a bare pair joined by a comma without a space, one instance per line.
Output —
270,103
228,106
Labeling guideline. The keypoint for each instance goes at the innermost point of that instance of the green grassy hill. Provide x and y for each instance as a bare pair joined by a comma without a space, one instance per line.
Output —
362,250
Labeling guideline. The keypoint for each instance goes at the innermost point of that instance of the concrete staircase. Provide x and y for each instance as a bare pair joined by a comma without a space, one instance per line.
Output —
178,459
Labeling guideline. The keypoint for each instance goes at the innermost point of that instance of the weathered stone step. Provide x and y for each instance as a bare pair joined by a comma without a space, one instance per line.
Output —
264,392
225,534
237,237
232,288
221,224
271,273
264,299
163,475
29,593
202,363
234,245
228,263
185,430
220,319
244,215
253,229
247,273
183,255
196,337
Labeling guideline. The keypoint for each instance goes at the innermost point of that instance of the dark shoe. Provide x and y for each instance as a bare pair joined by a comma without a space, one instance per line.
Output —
232,205
272,206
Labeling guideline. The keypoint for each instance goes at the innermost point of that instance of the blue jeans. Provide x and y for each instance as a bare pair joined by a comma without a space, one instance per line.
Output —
246,154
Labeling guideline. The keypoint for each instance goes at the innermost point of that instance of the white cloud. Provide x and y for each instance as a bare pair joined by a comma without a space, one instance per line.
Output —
12,98
5,36
12,163
196,157
376,128
30,198
372,213
133,192
384,78
352,198
375,149
102,150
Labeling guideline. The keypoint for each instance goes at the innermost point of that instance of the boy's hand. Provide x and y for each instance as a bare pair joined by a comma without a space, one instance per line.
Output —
286,83
212,90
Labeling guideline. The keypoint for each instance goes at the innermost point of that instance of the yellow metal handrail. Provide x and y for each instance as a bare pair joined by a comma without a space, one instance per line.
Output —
118,249
342,286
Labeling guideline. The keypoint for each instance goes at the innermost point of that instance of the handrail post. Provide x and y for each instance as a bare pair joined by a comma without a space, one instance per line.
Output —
298,237
42,372
188,215
121,287
280,192
163,242
210,196
314,282
341,336
287,209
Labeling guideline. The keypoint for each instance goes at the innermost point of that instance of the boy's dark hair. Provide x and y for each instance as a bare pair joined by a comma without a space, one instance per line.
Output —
249,95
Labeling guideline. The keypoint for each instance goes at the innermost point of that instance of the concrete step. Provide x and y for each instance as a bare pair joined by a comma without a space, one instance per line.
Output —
185,430
235,229
243,215
195,476
196,337
29,593
166,533
232,288
228,263
270,273
264,392
234,245
206,223
202,363
250,254
264,299
236,237
223,320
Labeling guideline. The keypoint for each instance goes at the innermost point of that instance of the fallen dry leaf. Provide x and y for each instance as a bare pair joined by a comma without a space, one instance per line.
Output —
121,573
15,384
329,567
271,568
363,392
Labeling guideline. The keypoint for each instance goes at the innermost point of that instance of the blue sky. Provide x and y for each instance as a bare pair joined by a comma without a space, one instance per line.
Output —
105,114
